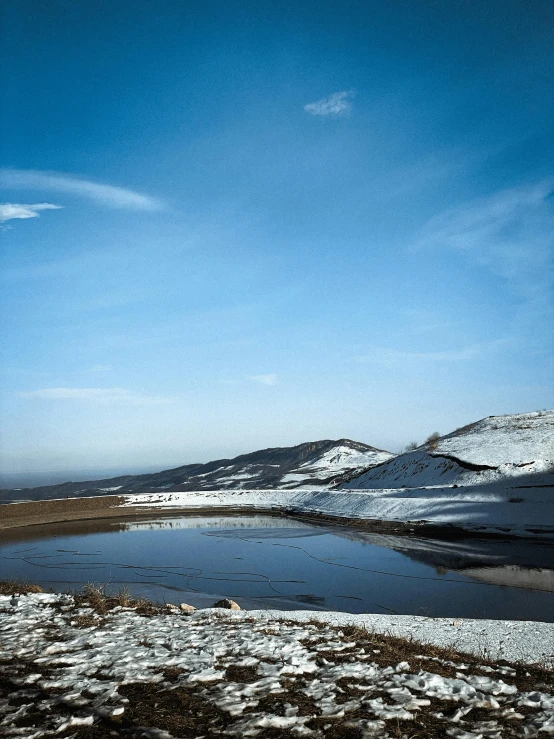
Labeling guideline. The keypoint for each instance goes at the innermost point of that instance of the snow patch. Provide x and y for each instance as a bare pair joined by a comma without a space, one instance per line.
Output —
83,668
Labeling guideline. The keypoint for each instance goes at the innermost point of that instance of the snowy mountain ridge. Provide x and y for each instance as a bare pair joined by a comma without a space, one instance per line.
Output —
493,449
311,465
519,439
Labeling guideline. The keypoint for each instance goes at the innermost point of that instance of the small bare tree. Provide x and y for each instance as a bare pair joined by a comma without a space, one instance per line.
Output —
432,440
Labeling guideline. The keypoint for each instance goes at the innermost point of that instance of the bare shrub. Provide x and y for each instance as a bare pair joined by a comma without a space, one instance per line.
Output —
95,597
411,447
432,440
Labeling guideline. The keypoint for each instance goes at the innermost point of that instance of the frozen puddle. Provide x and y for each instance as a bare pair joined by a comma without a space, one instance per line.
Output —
219,673
278,562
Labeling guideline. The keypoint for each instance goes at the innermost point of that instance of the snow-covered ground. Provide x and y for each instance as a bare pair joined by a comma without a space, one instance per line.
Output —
334,462
490,508
245,673
417,469
498,448
518,439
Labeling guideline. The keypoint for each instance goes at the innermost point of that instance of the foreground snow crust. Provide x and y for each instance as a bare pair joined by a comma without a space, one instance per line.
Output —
497,509
77,672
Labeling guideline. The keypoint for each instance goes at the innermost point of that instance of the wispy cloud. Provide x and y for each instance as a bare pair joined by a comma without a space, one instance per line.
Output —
270,379
9,211
510,233
423,321
110,195
398,357
99,396
337,104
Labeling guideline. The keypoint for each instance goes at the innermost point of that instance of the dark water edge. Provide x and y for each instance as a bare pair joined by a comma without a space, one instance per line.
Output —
265,562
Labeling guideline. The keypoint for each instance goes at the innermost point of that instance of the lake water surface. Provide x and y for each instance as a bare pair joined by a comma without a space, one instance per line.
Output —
270,562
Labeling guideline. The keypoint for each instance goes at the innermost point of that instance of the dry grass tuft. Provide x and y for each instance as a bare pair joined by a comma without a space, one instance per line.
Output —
85,622
9,587
95,597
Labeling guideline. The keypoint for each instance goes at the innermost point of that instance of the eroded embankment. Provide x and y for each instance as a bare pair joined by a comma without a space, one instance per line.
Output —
112,507
442,513
66,509
105,506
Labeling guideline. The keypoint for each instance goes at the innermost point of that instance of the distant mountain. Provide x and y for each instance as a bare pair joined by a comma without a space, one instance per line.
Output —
317,464
490,450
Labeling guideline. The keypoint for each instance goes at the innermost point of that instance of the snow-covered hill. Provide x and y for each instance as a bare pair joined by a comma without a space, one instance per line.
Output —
493,449
317,464
346,458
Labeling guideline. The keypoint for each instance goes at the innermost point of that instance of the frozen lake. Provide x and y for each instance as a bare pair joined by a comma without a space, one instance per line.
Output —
269,562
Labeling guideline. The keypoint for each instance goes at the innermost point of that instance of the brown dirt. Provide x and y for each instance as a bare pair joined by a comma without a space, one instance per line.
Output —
182,711
242,674
66,509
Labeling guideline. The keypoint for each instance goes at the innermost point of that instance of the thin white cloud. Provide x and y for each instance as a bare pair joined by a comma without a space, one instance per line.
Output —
510,233
101,368
9,211
464,354
113,197
337,104
99,396
270,379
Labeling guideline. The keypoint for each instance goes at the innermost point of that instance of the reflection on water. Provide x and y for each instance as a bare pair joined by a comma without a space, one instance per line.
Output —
263,523
512,576
276,562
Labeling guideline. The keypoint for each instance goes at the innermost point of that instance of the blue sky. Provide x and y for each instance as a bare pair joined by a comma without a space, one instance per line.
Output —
233,225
